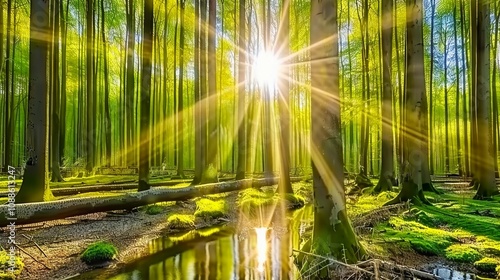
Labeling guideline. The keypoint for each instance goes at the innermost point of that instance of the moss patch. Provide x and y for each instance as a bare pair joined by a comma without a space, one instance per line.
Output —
154,209
4,266
178,221
99,252
486,264
462,253
251,199
213,209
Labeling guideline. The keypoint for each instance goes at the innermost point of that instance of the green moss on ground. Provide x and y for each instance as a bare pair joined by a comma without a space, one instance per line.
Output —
212,209
154,209
366,203
498,271
4,266
251,199
99,252
180,221
486,264
463,253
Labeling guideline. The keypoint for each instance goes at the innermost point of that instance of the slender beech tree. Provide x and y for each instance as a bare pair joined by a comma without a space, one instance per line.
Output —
90,142
107,118
180,97
332,234
55,97
414,109
457,91
64,70
484,165
387,170
129,88
431,89
210,173
242,149
35,186
284,98
147,50
9,97
203,89
198,167
464,90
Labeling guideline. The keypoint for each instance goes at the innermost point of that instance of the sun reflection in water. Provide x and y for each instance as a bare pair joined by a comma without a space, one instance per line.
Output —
261,248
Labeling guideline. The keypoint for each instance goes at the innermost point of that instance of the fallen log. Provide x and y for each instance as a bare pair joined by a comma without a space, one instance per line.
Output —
45,211
106,187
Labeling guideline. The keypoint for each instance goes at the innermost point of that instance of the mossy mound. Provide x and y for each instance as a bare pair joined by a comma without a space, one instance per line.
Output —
486,264
99,252
251,199
462,253
498,271
211,209
154,209
4,266
179,221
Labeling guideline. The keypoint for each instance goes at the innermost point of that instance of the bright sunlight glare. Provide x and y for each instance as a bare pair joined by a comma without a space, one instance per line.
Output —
266,69
261,247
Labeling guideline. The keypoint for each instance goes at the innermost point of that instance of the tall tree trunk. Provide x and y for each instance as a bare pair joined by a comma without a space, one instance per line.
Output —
387,171
457,95
7,92
35,186
107,118
90,131
210,173
494,88
484,160
464,90
62,122
180,99
431,89
129,88
203,88
176,110
147,49
242,109
56,97
415,103
444,38
332,234
284,99
198,167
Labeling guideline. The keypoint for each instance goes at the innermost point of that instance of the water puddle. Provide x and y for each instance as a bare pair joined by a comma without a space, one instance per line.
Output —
217,253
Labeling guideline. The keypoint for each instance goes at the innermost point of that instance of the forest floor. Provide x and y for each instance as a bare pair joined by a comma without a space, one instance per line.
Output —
455,232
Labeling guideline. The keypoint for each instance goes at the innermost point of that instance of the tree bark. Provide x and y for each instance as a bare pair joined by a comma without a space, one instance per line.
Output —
56,97
90,139
35,186
147,49
107,118
210,172
180,98
198,167
129,88
284,99
242,109
484,160
8,98
414,154
332,233
387,171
